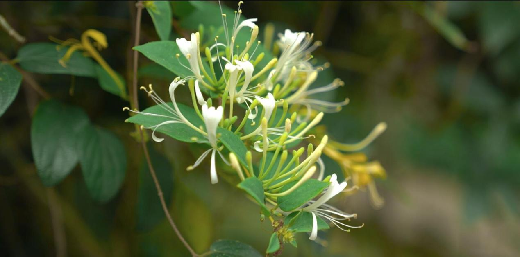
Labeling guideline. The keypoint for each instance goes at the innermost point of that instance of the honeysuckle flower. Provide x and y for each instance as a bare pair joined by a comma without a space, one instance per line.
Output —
301,96
269,103
212,117
198,94
296,51
332,214
175,115
190,50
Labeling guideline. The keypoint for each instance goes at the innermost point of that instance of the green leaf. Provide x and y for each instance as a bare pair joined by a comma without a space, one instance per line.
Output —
179,131
108,83
274,244
232,248
103,162
234,144
253,186
162,17
306,192
44,57
302,222
54,134
182,8
164,53
149,208
10,80
154,70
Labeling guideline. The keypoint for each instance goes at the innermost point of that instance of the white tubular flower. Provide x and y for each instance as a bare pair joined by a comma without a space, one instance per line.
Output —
245,23
175,115
301,96
326,211
200,98
244,95
268,103
211,117
296,51
190,49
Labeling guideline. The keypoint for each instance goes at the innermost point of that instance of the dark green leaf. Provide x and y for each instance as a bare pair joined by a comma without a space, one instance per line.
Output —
234,144
253,186
179,131
304,193
161,17
54,135
103,162
154,70
10,80
108,83
274,244
302,222
232,248
182,8
498,25
44,57
149,208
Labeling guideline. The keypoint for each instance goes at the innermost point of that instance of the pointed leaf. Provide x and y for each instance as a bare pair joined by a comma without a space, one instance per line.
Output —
103,162
44,58
253,186
179,131
234,144
54,134
161,16
306,192
10,80
232,248
108,83
274,244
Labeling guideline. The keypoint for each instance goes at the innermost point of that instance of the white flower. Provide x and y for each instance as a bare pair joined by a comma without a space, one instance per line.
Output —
175,115
190,49
296,51
301,96
212,117
268,103
326,211
200,98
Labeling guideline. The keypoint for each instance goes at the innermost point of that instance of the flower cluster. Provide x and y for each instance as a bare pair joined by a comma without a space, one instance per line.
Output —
268,106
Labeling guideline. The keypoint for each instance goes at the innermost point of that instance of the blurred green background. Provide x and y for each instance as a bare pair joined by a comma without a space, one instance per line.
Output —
444,76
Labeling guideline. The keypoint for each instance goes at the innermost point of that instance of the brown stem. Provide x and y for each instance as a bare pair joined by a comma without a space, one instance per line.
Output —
139,6
27,78
60,240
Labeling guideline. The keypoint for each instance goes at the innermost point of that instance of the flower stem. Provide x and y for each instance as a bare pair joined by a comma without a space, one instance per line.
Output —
139,6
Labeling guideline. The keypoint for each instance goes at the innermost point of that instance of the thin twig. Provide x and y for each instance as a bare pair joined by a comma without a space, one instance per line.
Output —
60,239
27,78
139,6
11,31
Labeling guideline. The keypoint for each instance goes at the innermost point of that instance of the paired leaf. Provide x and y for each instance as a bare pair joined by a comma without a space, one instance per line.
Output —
232,248
274,244
108,83
304,193
10,80
54,135
161,16
149,208
179,131
103,162
253,186
44,58
302,222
